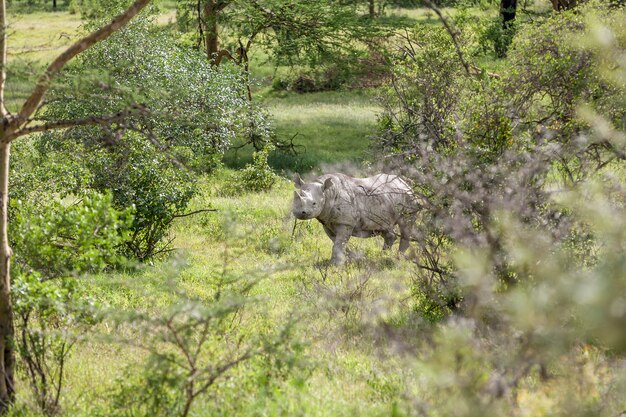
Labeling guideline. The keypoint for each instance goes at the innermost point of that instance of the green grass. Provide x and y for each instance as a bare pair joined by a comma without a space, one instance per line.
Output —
250,237
40,36
327,128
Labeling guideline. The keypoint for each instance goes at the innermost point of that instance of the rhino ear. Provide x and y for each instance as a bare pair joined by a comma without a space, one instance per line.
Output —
328,183
297,180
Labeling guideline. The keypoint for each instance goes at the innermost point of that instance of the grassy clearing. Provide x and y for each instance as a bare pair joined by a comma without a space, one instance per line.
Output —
250,237
41,36
34,40
327,128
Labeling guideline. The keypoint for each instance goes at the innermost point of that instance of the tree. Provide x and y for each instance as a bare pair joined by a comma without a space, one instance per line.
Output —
13,126
208,24
559,5
508,9
293,29
208,12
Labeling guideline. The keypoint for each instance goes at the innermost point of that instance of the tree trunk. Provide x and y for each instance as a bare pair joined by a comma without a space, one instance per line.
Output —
559,5
210,29
7,353
372,8
54,4
508,10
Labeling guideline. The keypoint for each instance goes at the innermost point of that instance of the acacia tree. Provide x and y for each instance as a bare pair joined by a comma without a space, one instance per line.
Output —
308,27
13,126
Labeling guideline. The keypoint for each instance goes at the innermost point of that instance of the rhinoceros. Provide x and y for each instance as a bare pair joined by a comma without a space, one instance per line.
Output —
360,207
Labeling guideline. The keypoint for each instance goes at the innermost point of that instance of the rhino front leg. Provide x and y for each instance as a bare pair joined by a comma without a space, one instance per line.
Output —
329,233
342,234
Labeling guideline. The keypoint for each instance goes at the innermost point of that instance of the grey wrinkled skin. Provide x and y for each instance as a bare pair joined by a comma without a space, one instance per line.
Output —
360,207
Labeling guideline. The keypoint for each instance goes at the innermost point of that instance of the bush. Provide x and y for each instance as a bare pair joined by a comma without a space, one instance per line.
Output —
191,346
188,103
363,68
189,114
139,178
522,268
56,239
55,243
257,176
477,145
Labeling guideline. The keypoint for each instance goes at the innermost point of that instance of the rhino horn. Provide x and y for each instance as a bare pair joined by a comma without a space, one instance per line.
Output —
297,196
297,180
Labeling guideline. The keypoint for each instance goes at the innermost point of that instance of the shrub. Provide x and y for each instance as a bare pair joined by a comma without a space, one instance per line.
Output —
189,113
477,145
188,102
191,346
138,177
55,243
54,238
258,176
522,268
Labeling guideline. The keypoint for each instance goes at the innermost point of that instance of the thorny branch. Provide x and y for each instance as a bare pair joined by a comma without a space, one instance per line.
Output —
470,69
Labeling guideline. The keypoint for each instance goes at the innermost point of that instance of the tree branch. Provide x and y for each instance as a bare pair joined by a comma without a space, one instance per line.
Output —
43,84
219,371
192,213
85,121
453,33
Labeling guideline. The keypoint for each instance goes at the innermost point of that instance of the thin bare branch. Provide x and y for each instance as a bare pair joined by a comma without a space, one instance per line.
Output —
217,372
176,216
453,33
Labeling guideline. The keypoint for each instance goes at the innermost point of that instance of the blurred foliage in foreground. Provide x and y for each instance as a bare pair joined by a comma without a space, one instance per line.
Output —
521,257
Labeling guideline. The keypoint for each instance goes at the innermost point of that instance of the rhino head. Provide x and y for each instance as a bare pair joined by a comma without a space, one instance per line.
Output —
309,199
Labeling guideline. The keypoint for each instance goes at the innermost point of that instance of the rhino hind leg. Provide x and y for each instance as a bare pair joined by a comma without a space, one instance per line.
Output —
390,238
406,233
